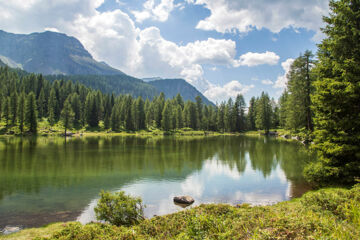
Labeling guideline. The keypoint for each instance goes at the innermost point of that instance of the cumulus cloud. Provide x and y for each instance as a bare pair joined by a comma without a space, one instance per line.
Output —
158,12
113,37
251,59
244,16
219,93
282,79
267,82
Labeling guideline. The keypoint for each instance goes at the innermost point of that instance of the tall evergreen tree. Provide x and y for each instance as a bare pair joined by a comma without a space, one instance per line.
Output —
52,107
263,113
337,97
21,111
6,110
31,113
13,107
300,88
166,117
41,102
67,115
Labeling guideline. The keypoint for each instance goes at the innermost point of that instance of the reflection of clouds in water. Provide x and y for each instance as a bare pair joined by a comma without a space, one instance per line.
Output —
216,182
193,185
278,173
256,198
214,167
88,214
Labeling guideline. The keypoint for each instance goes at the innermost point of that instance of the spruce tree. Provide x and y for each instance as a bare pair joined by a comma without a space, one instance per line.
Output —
67,115
263,113
31,113
21,111
337,97
52,107
13,107
6,111
300,87
166,117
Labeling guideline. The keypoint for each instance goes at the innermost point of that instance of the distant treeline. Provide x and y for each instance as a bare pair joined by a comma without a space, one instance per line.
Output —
29,98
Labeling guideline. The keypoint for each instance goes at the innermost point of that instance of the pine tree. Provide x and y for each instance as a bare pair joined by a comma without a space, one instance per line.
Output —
179,117
6,111
13,107
53,107
337,97
31,113
21,111
252,114
41,104
166,117
263,113
300,87
67,115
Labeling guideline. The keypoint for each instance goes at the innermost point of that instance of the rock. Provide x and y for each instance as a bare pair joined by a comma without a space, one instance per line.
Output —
10,229
184,200
273,133
286,136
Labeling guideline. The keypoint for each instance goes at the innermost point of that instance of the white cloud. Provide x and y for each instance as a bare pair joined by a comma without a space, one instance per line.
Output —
231,89
267,82
159,12
244,16
282,79
113,37
251,59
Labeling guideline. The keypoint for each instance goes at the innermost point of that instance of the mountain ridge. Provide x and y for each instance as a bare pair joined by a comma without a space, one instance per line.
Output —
59,56
51,53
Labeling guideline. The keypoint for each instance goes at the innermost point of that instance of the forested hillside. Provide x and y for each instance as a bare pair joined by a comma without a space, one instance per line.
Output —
171,87
117,84
31,98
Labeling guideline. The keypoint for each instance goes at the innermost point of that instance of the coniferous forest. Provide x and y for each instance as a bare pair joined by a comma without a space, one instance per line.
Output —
31,98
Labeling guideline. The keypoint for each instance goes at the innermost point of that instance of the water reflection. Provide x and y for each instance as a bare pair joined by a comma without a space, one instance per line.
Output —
48,179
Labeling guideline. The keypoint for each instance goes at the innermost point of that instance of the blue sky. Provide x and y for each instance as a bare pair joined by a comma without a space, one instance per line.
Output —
222,47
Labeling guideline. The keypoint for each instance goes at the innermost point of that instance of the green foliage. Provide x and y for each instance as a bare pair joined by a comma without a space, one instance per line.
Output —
296,103
119,209
67,115
337,96
31,113
263,112
326,214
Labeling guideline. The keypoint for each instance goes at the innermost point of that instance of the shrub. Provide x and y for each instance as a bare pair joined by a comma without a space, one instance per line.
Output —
119,209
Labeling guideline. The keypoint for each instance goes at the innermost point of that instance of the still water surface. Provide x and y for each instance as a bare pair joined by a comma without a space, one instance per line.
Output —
48,179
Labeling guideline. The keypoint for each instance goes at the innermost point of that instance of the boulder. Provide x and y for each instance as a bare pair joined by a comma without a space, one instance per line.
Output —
10,229
184,200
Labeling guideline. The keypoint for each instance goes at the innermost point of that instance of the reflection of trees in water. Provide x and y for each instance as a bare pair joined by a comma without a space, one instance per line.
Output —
28,164
263,152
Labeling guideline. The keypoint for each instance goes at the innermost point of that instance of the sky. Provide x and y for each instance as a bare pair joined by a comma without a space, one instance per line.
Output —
222,47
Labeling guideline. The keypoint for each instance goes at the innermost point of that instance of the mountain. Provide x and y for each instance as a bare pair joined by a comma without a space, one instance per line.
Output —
171,87
151,79
50,53
59,56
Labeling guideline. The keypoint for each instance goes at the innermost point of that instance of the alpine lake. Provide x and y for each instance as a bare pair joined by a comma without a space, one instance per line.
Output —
53,179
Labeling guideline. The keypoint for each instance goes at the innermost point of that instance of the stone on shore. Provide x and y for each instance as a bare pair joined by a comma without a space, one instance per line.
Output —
184,200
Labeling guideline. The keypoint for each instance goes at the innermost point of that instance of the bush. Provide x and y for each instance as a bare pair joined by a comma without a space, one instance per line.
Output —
119,209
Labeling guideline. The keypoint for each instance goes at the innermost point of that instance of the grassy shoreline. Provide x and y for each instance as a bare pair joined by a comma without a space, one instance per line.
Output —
331,213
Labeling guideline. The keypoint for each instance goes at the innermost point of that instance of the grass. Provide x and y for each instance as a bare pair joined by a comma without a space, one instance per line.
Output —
45,129
332,213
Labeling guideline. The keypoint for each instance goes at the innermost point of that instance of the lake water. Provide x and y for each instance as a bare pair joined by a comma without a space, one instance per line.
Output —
50,179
